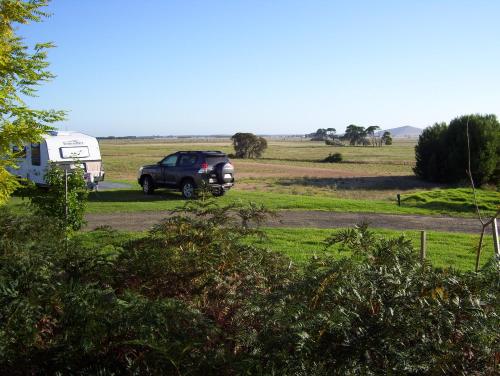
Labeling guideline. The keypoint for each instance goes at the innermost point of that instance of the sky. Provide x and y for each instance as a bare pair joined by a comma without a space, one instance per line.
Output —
166,67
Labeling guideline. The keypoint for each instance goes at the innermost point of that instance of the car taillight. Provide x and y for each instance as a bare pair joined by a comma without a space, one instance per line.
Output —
204,168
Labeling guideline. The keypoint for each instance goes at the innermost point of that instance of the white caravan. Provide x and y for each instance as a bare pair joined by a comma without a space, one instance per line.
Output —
63,149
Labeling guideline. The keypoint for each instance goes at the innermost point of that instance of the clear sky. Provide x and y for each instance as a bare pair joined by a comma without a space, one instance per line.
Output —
270,67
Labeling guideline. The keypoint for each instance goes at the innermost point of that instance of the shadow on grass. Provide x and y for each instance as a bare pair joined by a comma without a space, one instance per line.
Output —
322,161
284,159
133,195
366,183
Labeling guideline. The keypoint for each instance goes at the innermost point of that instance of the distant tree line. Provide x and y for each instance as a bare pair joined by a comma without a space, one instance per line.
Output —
442,153
354,135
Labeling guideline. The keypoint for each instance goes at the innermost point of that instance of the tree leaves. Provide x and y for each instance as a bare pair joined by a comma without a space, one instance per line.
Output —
21,71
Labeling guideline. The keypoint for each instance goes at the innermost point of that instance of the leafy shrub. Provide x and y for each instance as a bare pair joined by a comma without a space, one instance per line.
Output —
442,155
193,296
333,158
382,311
181,299
386,138
51,201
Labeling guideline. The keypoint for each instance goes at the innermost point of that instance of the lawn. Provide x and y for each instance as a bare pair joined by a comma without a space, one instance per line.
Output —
443,249
457,202
449,202
454,200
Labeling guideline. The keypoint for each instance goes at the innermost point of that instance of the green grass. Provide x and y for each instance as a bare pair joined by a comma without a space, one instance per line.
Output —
122,158
453,200
439,202
450,201
443,249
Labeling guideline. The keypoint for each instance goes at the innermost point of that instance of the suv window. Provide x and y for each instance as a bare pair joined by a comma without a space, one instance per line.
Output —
170,161
187,160
214,160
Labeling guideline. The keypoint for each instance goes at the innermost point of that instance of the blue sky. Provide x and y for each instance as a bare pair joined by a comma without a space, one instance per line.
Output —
269,67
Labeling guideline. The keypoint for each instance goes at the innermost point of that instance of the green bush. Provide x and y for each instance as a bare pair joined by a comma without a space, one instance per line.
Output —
333,158
442,154
184,298
431,153
382,312
52,201
484,138
193,296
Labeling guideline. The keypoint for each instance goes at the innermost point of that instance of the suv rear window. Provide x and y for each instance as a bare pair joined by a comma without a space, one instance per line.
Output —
214,160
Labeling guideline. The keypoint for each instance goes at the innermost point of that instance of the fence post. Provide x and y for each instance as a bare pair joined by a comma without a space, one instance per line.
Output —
423,245
495,241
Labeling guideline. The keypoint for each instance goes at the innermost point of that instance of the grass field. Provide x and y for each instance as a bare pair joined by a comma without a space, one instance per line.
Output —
122,158
286,166
452,202
289,166
443,249
290,176
449,203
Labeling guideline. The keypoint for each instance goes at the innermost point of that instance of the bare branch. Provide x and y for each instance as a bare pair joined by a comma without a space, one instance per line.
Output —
469,174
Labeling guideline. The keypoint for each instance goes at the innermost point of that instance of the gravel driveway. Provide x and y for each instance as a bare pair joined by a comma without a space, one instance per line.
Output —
140,221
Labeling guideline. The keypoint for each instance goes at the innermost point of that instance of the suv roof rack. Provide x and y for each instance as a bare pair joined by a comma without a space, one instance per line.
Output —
202,151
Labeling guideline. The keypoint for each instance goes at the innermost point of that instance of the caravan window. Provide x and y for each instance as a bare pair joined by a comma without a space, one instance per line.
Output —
35,154
75,152
19,153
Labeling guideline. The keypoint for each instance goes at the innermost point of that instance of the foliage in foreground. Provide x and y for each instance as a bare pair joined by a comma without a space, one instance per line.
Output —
21,71
192,296
65,209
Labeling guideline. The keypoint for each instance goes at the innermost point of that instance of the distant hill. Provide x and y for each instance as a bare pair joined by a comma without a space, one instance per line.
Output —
404,132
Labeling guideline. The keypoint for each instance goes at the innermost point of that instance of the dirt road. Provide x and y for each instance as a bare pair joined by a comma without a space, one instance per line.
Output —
140,221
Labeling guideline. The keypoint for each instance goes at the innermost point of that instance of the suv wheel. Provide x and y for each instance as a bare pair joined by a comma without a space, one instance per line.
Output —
147,186
187,189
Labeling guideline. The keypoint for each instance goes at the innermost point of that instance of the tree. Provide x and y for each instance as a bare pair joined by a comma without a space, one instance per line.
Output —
248,145
319,135
355,135
441,152
430,153
386,138
370,131
323,134
484,134
22,69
